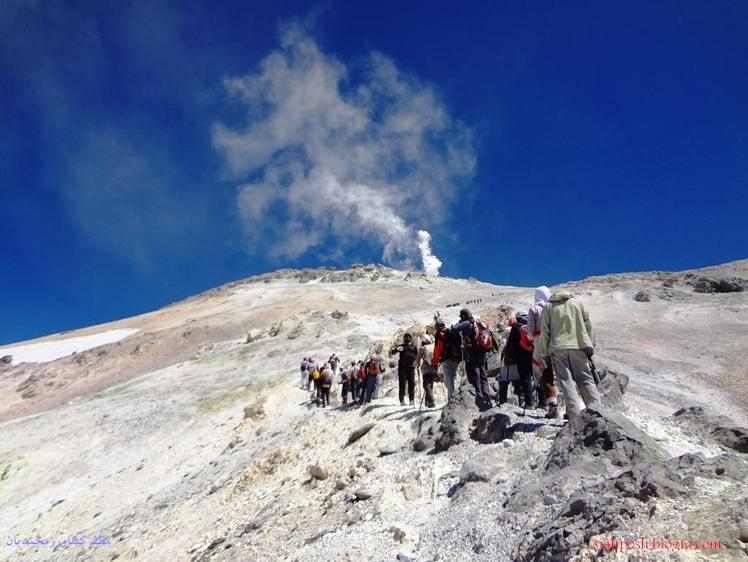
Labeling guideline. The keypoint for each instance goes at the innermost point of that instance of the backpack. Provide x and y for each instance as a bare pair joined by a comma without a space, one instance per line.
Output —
524,340
372,368
483,339
495,345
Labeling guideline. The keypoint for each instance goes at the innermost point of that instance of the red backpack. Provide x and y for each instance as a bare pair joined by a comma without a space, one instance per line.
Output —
372,368
524,340
483,339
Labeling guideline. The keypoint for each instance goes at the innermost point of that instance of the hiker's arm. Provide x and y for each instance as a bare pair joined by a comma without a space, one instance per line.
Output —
588,324
533,321
541,345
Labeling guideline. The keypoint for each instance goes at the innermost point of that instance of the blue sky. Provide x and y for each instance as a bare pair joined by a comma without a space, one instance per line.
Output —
151,150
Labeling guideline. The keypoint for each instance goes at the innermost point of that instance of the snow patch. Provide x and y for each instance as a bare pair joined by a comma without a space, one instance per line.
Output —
51,350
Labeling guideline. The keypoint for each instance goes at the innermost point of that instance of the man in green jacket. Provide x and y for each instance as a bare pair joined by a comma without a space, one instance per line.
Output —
566,335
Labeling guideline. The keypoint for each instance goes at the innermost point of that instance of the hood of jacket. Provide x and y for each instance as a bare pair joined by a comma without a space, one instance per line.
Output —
542,295
561,296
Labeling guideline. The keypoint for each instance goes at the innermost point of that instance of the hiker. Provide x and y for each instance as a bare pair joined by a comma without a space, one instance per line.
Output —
311,367
304,366
316,374
345,386
325,384
362,384
508,372
406,371
424,364
374,369
447,355
566,335
543,375
353,380
474,356
334,362
520,349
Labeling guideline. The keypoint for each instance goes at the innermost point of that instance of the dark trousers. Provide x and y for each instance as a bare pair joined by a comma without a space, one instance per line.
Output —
354,389
371,385
475,369
406,374
504,387
324,393
527,391
428,389
345,389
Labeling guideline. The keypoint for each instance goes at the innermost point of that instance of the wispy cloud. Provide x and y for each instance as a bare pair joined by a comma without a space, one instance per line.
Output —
330,156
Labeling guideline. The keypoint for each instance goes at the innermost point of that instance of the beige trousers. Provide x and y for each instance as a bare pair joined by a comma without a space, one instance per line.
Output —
574,377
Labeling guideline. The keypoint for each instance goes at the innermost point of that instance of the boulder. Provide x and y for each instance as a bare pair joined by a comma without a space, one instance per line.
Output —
253,335
319,471
360,432
642,296
609,435
422,443
491,427
484,467
427,430
254,411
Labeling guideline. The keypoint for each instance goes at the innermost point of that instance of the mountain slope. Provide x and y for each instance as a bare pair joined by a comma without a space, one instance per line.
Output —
147,440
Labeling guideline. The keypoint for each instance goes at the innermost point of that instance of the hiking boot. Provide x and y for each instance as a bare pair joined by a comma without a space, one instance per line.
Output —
402,402
552,412
412,403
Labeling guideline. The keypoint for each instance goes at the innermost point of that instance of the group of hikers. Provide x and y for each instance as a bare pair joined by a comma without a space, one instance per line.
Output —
360,380
545,349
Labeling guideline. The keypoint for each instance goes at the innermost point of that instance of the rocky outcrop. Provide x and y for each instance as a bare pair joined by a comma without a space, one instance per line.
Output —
338,315
359,433
612,386
630,474
457,417
608,435
719,428
718,285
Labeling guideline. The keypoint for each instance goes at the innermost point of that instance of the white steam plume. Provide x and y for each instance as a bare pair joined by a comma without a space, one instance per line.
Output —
431,263
328,162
